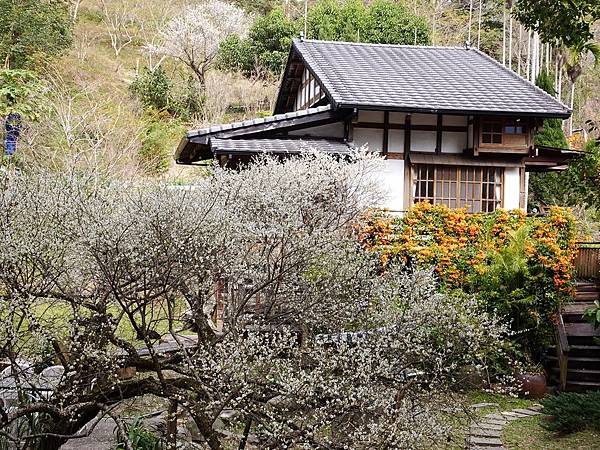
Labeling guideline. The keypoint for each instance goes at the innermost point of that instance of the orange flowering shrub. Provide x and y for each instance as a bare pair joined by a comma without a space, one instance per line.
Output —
521,267
459,245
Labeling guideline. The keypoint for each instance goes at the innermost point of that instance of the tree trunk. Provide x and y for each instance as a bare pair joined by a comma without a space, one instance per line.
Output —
172,426
572,105
510,33
503,34
528,73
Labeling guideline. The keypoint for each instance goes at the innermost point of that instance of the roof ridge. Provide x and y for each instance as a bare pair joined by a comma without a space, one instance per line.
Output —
520,78
372,44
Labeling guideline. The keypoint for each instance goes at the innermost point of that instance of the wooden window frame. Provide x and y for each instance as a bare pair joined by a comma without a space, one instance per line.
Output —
462,184
507,140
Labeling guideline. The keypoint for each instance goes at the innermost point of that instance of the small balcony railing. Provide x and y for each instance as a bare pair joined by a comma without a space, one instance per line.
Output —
587,262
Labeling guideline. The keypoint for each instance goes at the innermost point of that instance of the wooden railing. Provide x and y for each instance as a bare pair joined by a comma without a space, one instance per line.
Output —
562,351
587,262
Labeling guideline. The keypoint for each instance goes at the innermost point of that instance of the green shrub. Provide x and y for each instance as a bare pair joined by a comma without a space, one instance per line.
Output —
140,438
153,88
572,412
160,138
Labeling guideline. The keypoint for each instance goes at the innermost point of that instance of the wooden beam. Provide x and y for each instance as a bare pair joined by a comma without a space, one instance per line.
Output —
438,137
386,132
407,167
401,126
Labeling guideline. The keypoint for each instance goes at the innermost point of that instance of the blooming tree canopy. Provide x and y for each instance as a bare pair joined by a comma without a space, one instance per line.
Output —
194,36
318,349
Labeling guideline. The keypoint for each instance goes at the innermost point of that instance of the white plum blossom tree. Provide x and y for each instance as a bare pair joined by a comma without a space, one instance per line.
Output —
317,346
194,36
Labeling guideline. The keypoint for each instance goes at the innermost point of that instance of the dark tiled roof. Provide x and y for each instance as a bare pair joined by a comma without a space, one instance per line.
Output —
278,146
258,121
426,79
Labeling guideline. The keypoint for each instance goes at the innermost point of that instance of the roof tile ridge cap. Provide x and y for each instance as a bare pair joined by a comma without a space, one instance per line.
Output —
374,44
322,74
520,78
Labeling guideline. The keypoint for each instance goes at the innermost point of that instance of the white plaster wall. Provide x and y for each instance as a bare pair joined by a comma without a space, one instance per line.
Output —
391,180
370,137
422,141
396,141
335,130
457,121
397,117
423,119
453,142
511,188
526,189
370,116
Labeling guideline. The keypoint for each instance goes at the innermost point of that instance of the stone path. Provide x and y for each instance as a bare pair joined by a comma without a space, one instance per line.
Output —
486,432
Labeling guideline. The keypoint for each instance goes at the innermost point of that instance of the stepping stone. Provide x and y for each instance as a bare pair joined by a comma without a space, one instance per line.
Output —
536,408
484,441
499,423
496,417
486,448
527,412
488,425
484,405
513,416
485,432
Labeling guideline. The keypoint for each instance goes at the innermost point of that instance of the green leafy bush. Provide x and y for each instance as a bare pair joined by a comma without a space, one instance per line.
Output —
140,438
592,314
572,411
33,30
160,138
158,92
153,88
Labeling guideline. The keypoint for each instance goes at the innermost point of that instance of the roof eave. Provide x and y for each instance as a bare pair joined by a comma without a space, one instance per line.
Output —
541,114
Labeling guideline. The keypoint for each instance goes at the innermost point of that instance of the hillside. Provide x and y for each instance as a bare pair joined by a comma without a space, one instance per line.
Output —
95,119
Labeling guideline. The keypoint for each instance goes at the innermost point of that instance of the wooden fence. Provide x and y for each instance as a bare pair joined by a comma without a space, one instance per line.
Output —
587,262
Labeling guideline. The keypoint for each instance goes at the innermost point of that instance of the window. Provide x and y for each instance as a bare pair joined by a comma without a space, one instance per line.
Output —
479,189
503,131
513,127
491,132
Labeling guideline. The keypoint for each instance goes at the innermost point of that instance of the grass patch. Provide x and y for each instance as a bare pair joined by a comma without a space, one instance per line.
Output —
529,434
460,421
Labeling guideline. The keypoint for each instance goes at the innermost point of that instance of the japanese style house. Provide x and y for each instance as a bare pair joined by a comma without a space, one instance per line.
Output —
454,125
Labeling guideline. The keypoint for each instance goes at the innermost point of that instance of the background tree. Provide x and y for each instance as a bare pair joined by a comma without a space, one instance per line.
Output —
32,30
380,21
193,37
567,23
265,50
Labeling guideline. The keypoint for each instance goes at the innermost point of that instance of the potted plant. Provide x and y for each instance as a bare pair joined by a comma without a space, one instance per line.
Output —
531,380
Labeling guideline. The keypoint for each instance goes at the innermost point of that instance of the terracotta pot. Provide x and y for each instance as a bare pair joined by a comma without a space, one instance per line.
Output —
532,385
126,373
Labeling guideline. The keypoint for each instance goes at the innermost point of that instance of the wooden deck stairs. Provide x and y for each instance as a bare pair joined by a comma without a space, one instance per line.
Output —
576,364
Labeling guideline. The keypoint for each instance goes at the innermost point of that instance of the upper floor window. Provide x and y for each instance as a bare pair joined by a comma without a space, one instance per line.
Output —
503,131
491,132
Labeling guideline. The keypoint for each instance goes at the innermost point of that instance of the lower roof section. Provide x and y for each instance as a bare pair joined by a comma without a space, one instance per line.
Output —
278,146
196,145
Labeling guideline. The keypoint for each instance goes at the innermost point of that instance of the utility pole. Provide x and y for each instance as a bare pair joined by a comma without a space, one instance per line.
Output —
305,19
479,26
